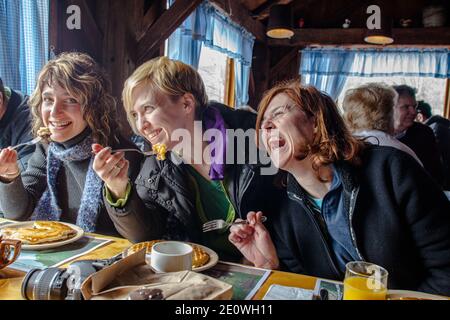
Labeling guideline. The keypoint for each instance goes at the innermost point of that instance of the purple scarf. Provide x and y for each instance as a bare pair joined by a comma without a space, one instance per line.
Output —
212,119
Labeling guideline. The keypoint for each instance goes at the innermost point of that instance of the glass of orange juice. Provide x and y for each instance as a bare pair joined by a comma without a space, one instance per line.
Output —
365,281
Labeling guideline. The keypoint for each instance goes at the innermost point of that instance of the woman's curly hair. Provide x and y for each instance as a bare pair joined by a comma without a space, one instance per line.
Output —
332,141
83,79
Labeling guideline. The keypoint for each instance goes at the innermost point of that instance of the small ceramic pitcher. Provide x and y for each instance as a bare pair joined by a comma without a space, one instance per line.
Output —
9,251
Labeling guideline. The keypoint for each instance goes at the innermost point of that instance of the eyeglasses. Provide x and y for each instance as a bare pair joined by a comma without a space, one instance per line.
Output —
278,113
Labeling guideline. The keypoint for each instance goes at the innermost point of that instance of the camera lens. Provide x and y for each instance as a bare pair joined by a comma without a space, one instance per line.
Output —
47,284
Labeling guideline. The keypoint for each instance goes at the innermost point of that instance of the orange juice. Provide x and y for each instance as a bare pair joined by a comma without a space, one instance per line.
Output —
357,288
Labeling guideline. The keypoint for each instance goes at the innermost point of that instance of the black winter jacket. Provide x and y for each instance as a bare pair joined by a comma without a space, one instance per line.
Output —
398,218
162,201
421,140
15,127
441,130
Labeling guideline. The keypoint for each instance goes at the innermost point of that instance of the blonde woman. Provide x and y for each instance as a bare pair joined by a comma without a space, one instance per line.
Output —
369,113
72,100
170,199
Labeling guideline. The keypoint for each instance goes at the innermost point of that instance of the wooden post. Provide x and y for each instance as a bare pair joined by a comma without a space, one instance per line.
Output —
447,100
230,84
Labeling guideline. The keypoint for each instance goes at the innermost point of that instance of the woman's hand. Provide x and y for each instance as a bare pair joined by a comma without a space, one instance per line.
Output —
112,169
254,242
9,169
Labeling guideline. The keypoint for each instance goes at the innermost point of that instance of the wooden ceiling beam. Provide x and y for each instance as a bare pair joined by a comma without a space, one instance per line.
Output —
288,58
262,11
355,36
149,19
240,15
166,24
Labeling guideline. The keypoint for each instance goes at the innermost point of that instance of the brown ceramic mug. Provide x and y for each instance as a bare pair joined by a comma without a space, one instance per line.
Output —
9,251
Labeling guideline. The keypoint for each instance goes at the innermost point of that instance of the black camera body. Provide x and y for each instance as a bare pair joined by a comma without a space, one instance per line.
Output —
61,284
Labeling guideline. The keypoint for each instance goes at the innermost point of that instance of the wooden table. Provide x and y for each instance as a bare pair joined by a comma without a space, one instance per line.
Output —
11,281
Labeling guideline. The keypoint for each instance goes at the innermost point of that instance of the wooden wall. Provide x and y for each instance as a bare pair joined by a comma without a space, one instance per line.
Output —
110,33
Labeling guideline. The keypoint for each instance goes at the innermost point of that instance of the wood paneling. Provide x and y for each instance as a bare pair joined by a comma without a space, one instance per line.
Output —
259,76
447,100
87,39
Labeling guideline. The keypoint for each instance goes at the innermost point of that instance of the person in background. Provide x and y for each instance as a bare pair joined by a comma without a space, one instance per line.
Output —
423,111
344,200
15,123
73,101
369,113
172,198
417,136
441,130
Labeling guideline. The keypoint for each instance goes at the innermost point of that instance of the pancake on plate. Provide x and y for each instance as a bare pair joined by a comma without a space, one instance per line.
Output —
39,232
199,256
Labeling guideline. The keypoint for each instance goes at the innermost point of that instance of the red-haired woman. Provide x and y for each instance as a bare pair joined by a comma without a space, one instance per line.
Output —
345,200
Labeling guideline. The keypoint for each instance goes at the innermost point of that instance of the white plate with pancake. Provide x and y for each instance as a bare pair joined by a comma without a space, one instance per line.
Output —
42,235
199,250
412,295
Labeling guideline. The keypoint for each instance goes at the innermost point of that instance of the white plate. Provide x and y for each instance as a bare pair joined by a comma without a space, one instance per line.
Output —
397,294
50,245
213,257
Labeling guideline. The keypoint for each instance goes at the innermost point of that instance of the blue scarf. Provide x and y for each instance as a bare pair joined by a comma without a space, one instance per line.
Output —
91,200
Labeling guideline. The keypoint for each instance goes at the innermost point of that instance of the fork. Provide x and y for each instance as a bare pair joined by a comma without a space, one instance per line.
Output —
221,224
145,153
29,143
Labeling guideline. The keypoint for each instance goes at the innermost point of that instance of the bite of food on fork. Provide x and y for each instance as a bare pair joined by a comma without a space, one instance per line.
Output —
44,133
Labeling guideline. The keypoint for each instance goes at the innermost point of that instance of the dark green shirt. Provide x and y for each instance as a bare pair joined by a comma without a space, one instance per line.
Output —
212,202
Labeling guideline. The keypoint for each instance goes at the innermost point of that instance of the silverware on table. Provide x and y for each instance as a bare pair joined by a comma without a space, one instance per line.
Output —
221,224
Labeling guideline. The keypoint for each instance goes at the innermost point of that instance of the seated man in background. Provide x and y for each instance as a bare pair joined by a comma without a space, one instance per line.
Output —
441,130
369,113
417,136
15,121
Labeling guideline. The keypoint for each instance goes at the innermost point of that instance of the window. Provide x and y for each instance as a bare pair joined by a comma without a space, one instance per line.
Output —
431,90
213,70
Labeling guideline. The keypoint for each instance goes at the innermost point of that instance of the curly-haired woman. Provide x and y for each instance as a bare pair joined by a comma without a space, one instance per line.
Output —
71,99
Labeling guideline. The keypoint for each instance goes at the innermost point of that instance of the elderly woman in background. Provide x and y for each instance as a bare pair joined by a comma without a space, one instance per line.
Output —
369,113
344,200
72,100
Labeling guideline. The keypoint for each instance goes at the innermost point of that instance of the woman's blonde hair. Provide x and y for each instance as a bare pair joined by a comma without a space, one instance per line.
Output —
169,77
370,107
332,140
83,79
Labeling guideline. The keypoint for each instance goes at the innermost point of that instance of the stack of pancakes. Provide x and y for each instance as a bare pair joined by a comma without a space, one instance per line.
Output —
40,232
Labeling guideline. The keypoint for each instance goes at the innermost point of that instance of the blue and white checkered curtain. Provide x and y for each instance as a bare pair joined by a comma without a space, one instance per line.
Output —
23,42
327,69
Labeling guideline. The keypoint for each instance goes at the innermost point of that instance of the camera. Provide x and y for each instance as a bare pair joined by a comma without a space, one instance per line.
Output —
61,284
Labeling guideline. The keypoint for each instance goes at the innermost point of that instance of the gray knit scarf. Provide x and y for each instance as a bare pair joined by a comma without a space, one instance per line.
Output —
91,200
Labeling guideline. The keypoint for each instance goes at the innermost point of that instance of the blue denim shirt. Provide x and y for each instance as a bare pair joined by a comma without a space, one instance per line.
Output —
337,223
